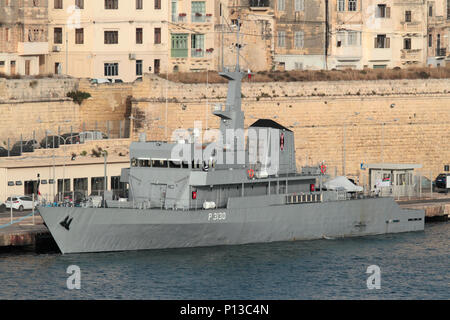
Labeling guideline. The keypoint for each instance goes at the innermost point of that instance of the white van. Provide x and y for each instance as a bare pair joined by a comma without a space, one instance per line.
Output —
92,135
99,80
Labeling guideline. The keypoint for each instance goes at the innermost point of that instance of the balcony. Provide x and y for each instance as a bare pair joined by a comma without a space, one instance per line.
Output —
380,54
32,48
348,52
441,52
411,54
259,5
179,53
197,53
198,17
180,18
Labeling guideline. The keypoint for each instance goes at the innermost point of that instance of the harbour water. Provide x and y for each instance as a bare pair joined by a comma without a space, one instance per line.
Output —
413,266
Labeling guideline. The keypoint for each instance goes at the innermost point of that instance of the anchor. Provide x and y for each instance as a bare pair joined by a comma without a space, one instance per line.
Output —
66,223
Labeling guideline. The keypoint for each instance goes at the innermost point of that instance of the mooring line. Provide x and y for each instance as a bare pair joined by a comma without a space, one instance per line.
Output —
14,222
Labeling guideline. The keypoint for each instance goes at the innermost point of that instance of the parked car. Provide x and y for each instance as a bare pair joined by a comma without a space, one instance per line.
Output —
24,146
34,143
51,142
99,80
92,135
74,138
12,153
20,203
115,80
443,181
138,79
30,143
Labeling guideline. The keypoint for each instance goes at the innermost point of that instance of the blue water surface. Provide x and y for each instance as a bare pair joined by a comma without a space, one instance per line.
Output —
413,266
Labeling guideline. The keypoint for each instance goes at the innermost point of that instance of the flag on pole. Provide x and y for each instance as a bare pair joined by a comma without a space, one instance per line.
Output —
38,184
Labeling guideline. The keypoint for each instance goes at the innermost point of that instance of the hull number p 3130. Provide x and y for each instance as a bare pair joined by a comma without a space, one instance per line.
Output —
217,216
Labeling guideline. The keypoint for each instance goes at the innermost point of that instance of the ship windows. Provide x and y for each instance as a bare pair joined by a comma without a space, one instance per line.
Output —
174,164
158,163
143,163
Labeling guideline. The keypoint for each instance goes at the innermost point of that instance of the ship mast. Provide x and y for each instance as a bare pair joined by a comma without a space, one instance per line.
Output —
232,117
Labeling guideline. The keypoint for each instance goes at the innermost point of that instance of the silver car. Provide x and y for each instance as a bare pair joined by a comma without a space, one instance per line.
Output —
21,203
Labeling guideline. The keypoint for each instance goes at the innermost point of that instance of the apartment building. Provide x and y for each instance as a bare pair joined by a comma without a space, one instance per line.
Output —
256,38
346,18
282,34
377,34
300,34
192,36
340,34
117,39
438,17
23,36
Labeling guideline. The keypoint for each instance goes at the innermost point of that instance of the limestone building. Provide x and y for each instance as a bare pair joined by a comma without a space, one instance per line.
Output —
23,36
118,39
282,34
192,37
438,17
300,34
377,34
341,34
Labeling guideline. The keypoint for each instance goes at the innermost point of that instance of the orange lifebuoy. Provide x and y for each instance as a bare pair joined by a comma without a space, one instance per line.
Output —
323,169
251,173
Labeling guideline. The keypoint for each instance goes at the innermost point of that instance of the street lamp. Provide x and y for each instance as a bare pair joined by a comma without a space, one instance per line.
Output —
383,123
64,157
105,184
344,150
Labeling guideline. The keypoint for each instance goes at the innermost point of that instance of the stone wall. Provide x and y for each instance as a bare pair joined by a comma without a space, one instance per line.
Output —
32,106
33,119
323,115
34,90
398,121
154,87
107,102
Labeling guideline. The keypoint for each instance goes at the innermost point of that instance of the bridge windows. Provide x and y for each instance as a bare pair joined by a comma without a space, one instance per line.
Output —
168,163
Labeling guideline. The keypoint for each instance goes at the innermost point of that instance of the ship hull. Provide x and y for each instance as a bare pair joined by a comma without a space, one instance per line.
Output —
79,230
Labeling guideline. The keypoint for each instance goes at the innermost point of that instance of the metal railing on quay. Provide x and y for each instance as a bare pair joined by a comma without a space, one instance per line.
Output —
28,142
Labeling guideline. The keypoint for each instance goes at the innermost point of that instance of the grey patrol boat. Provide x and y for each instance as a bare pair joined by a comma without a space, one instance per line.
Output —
177,202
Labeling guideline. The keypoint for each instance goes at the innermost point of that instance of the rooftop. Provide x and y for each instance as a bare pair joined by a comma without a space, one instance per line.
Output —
47,161
393,166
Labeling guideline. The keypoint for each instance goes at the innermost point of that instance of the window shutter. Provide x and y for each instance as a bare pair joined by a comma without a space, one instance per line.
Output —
375,43
388,42
388,12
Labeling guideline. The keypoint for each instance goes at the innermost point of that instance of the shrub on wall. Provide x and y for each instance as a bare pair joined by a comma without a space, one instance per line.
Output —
78,96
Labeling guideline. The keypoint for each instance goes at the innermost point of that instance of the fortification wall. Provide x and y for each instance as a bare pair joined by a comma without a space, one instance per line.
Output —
33,90
107,102
398,121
